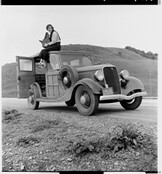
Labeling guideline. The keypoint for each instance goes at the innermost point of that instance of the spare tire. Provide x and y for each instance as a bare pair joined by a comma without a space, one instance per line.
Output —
68,76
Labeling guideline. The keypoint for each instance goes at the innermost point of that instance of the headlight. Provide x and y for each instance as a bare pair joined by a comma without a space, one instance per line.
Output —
124,74
99,75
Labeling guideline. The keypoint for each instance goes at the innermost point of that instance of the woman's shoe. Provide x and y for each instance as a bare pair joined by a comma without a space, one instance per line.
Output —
42,63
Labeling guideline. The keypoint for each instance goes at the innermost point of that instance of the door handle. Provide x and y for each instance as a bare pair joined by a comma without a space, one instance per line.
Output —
19,78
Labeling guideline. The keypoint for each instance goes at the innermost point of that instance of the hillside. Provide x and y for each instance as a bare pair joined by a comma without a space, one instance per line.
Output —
148,54
139,66
9,86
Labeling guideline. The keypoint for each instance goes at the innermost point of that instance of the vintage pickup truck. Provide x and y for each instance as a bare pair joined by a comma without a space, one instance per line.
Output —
73,78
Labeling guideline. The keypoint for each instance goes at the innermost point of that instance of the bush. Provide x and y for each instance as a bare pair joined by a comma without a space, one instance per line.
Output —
27,141
10,115
123,137
149,54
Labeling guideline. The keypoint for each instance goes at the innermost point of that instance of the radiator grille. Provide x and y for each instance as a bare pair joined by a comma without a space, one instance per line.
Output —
112,79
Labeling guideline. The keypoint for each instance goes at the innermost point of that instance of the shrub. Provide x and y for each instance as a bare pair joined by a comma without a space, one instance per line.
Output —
123,137
10,115
27,141
149,54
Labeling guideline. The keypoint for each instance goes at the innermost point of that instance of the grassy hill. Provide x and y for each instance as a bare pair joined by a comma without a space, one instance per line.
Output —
138,66
9,86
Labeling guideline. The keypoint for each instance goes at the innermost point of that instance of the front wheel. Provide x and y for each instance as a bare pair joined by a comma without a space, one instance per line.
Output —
86,100
131,104
32,95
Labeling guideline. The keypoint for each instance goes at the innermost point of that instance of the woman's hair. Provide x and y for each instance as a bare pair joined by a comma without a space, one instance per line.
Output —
48,26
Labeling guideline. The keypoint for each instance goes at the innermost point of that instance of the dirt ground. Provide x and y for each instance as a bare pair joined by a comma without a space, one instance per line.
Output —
60,139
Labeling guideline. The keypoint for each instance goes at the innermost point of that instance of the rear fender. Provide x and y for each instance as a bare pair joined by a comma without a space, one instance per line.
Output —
38,87
133,84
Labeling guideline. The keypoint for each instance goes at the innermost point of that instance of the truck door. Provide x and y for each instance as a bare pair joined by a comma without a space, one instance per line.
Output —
25,75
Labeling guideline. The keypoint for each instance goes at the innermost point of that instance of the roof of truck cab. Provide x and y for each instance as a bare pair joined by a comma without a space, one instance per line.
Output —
66,52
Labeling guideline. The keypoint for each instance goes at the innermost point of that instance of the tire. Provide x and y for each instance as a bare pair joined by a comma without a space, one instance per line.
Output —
32,95
69,76
86,101
70,102
131,104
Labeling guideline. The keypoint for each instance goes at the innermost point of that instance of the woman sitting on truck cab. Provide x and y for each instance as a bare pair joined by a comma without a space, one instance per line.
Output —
54,44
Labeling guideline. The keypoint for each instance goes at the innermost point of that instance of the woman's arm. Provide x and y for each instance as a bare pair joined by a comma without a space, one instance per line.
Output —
55,38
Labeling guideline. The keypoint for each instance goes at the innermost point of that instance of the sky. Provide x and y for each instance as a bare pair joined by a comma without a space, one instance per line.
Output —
103,25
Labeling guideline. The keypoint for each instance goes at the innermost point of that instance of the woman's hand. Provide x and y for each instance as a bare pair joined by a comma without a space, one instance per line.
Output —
45,45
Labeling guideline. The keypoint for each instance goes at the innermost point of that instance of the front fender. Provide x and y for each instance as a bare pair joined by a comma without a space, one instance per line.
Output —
94,86
133,84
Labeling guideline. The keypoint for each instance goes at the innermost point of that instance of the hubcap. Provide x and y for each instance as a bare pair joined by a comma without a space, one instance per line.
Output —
85,100
82,100
31,99
65,80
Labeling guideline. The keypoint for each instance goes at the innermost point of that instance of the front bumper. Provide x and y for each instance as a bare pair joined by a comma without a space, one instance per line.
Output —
122,97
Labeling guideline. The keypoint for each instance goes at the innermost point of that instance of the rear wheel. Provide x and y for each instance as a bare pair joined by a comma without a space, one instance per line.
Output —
131,104
32,95
86,100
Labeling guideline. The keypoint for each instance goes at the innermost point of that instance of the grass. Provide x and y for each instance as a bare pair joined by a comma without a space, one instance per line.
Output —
45,124
36,143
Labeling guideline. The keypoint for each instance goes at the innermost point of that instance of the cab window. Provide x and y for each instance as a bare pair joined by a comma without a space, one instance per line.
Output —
54,61
74,62
86,61
25,65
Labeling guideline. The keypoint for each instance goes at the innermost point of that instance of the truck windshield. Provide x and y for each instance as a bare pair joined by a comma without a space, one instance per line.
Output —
77,61
70,58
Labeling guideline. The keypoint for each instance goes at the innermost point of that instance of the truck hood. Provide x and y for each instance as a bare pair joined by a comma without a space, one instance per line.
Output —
93,67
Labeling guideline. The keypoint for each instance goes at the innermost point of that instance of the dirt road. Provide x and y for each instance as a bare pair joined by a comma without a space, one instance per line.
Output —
147,112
